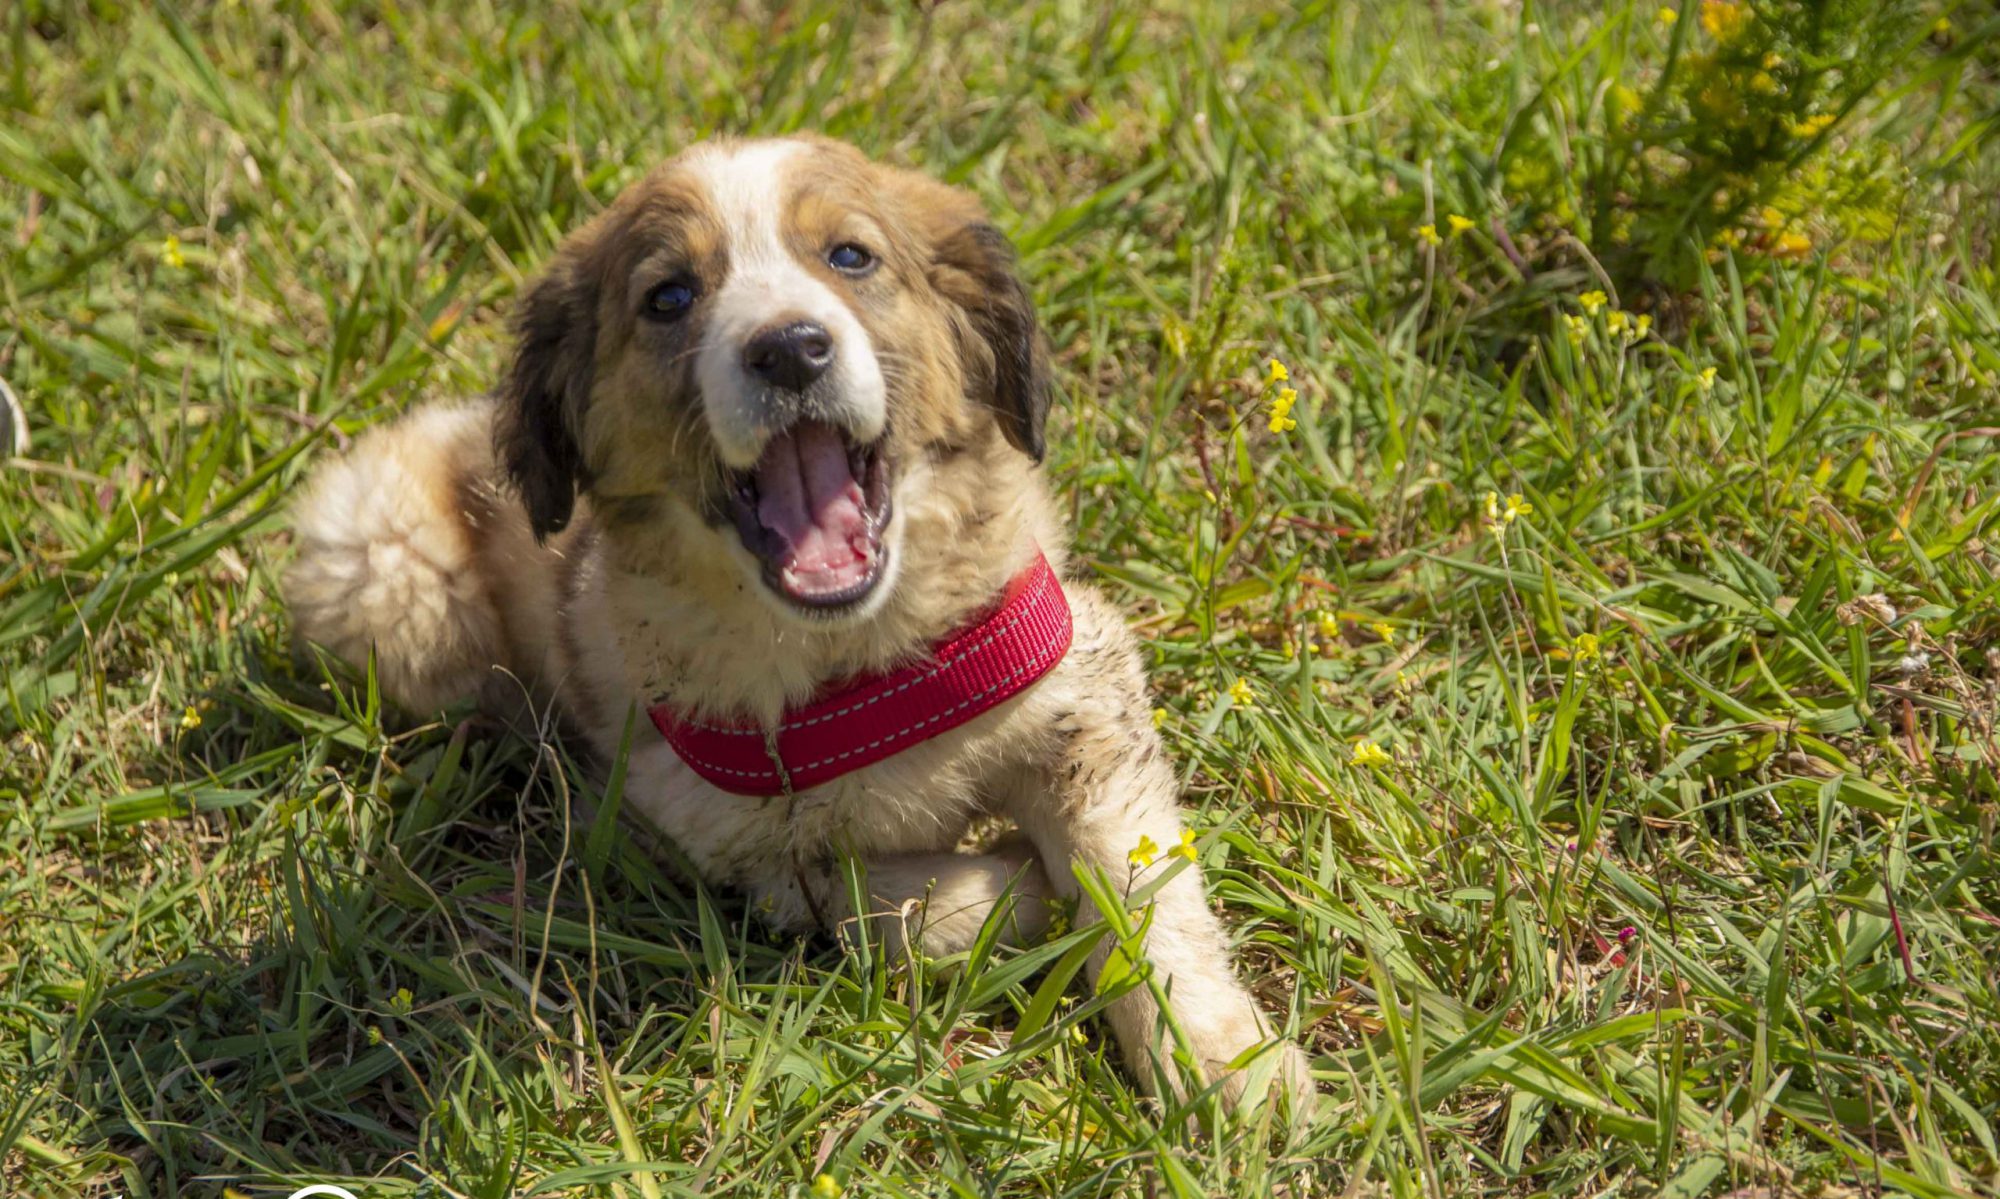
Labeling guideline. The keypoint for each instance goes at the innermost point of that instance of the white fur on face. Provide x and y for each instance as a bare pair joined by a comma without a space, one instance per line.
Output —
766,283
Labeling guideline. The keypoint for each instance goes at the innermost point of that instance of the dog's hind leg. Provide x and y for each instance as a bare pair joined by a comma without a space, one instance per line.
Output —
406,546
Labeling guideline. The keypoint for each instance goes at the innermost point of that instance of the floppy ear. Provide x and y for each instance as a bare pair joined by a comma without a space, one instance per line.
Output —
544,393
973,266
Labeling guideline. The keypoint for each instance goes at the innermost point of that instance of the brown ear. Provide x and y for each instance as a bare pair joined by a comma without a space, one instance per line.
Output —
543,396
973,266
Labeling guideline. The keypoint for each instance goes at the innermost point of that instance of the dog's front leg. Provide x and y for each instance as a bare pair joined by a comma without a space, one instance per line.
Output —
1110,792
940,900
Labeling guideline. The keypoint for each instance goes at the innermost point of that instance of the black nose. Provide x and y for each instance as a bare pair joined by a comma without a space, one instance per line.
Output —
789,356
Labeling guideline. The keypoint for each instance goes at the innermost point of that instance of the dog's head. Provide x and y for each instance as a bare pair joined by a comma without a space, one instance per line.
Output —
768,335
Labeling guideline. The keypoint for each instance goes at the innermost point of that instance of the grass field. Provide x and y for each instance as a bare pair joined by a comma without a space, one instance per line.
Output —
1674,873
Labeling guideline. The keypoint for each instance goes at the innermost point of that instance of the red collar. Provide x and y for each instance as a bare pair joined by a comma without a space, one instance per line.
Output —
877,716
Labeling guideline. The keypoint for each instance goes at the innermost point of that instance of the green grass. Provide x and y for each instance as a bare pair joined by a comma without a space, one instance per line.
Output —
1714,910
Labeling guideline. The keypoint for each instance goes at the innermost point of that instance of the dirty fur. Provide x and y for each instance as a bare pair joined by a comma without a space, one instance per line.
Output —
558,544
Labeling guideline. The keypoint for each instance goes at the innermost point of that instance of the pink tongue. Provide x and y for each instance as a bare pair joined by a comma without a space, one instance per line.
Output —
807,494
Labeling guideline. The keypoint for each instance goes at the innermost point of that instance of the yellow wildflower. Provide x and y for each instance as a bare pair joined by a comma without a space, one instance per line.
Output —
1592,301
1641,325
826,1186
1186,848
1329,626
1723,19
170,253
1144,852
1492,506
190,719
1576,327
1586,647
1459,225
1706,378
1428,234
1275,372
1367,753
1384,630
1516,507
1667,16
1281,411
1159,718
1240,693
1812,125
1792,244
1615,321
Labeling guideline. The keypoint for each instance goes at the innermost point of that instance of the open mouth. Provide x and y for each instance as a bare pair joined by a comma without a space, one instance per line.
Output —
813,510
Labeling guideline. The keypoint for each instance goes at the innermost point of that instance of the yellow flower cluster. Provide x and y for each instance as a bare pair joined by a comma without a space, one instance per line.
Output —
1724,19
1282,420
1240,693
1785,239
170,253
1585,648
1369,754
1620,324
1499,516
1459,226
1515,508
1147,851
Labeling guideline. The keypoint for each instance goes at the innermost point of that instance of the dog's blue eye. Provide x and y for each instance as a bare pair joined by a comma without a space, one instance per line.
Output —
850,258
670,300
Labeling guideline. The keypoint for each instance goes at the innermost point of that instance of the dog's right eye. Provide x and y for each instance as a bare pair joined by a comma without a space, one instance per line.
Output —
670,300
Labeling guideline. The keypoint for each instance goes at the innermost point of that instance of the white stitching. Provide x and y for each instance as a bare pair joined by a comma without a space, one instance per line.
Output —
885,738
934,718
1033,606
1048,652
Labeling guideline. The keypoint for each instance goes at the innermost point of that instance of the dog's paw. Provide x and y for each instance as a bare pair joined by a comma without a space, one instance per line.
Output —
1254,1066
1281,1075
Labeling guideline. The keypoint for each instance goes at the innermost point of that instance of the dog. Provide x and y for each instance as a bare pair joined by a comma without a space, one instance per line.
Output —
773,424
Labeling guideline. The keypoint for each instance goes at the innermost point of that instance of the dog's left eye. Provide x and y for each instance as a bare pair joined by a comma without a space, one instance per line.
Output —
849,258
669,300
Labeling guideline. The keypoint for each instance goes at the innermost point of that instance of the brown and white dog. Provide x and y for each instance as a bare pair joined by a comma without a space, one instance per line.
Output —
774,420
